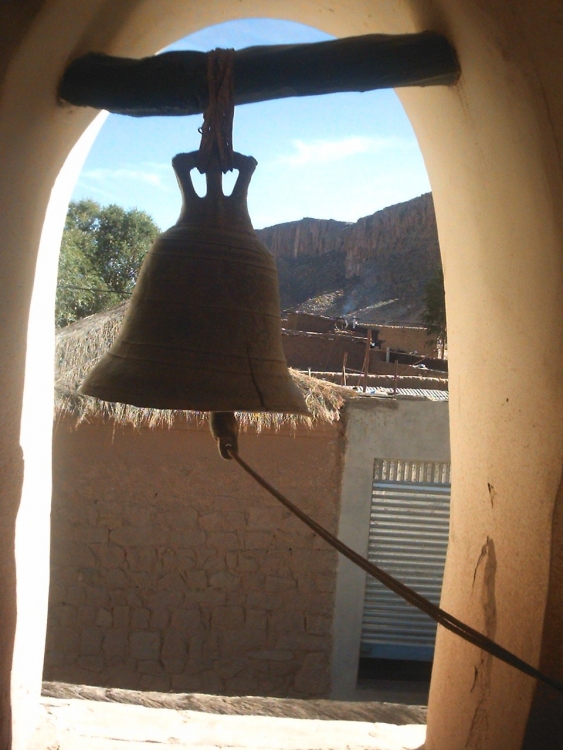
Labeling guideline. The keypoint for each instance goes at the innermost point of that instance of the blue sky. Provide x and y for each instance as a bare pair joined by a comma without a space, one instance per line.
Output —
340,156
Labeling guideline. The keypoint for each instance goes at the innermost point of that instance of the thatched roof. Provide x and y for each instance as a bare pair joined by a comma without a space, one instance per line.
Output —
80,345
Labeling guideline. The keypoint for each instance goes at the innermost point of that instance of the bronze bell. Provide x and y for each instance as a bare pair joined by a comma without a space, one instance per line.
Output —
203,330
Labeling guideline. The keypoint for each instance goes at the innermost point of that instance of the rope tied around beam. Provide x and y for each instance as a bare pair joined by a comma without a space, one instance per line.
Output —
217,129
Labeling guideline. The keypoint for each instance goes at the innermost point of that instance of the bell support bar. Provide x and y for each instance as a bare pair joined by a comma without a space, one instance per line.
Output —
175,83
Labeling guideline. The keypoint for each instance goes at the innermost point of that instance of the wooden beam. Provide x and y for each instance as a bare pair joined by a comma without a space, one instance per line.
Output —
175,83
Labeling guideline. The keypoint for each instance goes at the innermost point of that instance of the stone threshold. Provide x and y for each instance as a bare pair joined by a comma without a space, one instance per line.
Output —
294,708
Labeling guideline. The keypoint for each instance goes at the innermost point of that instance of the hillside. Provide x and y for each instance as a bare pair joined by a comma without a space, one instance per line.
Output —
375,268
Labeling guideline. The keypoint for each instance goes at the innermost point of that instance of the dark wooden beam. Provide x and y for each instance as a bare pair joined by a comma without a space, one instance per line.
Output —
174,83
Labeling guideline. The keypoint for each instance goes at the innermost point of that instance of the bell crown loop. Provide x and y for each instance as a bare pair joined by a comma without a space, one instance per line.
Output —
229,212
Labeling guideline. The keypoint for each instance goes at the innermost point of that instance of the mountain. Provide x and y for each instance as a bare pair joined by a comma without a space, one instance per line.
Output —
375,269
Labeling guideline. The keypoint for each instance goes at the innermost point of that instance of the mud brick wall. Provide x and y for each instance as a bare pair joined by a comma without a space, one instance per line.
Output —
172,570
325,351
322,352
407,339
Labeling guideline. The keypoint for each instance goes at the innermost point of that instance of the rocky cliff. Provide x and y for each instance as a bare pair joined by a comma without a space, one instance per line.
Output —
375,269
312,237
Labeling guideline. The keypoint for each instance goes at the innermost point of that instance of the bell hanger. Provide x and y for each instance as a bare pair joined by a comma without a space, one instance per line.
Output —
203,329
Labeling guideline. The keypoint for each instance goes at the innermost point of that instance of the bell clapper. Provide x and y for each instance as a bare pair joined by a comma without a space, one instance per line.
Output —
224,428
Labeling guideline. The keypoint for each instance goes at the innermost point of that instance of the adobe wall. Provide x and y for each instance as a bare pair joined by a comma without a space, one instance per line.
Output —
172,570
300,321
407,339
325,351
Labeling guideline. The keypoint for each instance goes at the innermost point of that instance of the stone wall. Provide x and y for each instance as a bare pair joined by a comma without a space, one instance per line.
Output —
172,570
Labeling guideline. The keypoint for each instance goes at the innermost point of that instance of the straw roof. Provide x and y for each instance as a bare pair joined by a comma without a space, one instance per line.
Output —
80,345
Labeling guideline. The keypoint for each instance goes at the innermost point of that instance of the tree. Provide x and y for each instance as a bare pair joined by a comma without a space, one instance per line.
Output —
434,315
101,252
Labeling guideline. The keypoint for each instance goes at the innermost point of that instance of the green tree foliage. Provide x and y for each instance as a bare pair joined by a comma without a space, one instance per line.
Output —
434,315
101,253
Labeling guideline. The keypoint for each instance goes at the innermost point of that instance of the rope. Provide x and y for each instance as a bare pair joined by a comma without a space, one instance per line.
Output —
217,129
442,617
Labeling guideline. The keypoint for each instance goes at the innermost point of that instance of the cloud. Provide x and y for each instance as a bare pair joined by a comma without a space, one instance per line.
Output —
325,151
103,179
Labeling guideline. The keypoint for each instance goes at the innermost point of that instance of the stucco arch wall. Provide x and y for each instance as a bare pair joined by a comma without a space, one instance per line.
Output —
492,146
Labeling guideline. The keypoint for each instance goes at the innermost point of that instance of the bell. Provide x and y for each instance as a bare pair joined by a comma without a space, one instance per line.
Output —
203,329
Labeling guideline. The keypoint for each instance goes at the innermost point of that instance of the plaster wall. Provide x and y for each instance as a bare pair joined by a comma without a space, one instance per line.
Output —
415,430
493,148
172,570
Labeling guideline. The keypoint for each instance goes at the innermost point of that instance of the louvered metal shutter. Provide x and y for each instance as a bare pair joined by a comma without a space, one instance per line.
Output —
408,538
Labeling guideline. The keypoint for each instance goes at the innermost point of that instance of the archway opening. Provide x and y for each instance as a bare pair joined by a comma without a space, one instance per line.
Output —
491,148
333,158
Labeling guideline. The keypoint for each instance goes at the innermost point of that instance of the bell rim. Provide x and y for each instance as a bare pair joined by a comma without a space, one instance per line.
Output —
173,405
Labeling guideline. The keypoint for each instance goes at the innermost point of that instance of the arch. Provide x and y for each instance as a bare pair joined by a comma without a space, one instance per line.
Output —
492,147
